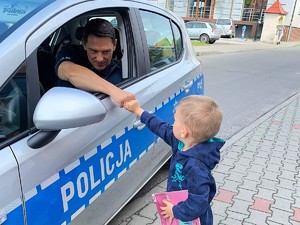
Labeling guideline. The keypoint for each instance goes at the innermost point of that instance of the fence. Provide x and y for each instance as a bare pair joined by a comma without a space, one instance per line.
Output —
247,14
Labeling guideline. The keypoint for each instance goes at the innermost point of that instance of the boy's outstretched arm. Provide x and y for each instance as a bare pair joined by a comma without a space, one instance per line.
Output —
134,107
156,125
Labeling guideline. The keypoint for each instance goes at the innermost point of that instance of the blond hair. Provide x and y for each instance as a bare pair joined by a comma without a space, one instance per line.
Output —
202,115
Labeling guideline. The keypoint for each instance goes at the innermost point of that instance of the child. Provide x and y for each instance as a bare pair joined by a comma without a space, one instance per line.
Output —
195,153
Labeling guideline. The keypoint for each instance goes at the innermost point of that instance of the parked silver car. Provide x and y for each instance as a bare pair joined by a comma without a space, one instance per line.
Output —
69,156
227,27
203,31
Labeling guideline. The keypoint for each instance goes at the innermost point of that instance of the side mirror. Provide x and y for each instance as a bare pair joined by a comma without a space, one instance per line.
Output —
63,108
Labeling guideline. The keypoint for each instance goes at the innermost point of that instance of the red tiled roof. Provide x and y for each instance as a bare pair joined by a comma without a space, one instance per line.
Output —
276,8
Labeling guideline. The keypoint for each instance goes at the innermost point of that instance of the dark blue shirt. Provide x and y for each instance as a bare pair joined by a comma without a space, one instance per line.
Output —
76,54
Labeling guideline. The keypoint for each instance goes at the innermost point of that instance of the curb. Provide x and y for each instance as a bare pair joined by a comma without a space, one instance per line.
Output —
232,46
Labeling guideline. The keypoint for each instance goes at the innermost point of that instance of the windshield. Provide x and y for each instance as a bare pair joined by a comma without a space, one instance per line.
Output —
213,25
13,13
224,22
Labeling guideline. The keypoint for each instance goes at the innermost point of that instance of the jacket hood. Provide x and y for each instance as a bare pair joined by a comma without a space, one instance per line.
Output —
207,152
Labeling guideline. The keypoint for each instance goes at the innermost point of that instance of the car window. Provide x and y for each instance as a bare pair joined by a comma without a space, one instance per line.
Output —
13,106
223,21
160,39
189,25
200,25
15,13
69,36
213,25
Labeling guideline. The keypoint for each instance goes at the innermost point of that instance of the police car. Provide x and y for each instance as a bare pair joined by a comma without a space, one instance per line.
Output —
69,156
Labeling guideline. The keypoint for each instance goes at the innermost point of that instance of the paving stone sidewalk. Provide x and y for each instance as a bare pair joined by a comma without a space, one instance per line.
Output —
258,178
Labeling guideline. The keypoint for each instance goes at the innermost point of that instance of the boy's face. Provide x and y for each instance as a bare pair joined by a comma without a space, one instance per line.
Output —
179,128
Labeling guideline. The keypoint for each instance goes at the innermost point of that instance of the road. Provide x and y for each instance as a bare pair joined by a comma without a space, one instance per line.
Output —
247,85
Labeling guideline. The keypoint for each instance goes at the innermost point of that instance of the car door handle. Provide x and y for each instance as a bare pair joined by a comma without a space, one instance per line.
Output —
187,86
138,125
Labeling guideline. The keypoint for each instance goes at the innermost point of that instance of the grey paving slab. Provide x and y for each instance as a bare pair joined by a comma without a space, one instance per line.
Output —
218,219
282,204
285,193
240,207
236,215
232,221
249,185
246,195
230,185
137,220
266,194
280,216
257,217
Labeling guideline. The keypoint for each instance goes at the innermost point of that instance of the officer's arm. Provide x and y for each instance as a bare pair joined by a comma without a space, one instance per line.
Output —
86,79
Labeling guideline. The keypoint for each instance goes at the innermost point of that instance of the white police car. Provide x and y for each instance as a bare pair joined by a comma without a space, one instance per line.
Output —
68,156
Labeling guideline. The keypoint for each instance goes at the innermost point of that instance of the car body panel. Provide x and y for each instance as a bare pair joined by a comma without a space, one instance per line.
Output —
88,182
10,204
227,26
197,28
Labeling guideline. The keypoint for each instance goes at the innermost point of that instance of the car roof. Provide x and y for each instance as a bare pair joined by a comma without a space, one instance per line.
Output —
196,22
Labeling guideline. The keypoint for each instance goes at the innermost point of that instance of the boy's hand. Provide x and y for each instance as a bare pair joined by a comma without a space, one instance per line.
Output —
133,106
167,211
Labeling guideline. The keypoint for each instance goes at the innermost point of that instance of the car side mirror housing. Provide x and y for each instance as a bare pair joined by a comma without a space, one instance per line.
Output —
63,108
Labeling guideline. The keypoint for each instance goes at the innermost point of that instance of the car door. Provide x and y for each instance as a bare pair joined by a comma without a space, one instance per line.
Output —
198,29
14,109
100,165
193,31
177,72
11,210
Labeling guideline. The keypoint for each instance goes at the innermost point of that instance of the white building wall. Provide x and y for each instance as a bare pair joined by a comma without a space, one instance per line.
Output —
268,32
180,7
296,19
288,6
222,9
161,3
237,10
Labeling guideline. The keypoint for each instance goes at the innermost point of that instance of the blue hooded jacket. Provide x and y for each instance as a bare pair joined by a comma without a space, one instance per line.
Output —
189,170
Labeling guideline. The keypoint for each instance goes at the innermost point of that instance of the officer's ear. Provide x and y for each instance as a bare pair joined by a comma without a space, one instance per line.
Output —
115,44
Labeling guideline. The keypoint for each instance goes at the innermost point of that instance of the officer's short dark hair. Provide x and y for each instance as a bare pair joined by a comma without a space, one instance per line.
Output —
99,28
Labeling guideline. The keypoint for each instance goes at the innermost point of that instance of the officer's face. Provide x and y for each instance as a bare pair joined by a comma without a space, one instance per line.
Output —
99,51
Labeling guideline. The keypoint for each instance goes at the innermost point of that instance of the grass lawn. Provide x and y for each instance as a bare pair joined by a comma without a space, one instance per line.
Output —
198,43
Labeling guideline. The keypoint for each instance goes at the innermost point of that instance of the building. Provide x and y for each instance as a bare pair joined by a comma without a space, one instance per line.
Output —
244,12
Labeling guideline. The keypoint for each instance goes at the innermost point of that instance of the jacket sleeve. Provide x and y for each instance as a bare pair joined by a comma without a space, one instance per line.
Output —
197,202
159,127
